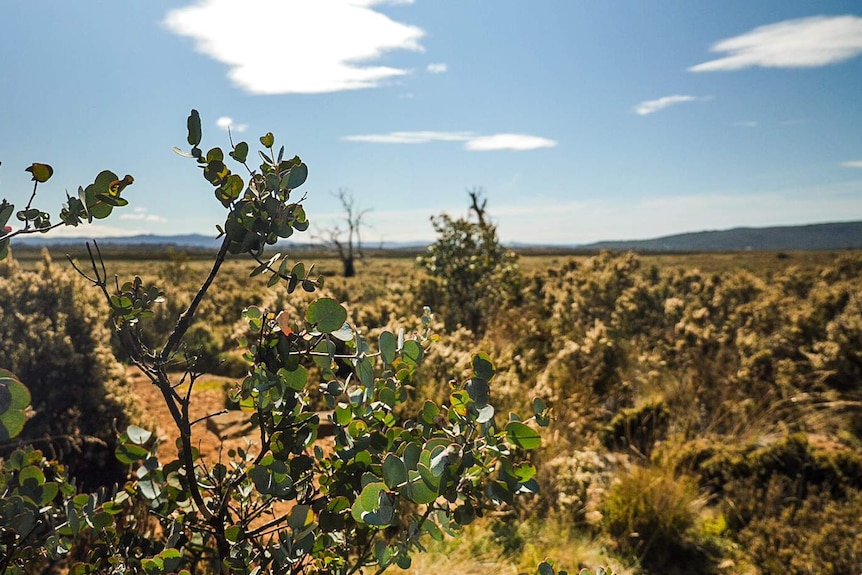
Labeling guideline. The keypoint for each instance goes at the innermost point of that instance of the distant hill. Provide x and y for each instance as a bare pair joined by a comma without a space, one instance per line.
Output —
833,236
184,241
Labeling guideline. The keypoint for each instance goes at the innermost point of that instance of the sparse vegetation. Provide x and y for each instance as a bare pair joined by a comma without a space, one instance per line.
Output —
703,412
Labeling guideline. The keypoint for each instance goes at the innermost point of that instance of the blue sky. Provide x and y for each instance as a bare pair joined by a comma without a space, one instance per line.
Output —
582,120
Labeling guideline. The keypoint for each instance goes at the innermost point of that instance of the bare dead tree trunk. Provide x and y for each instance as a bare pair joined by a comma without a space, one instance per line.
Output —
479,209
349,248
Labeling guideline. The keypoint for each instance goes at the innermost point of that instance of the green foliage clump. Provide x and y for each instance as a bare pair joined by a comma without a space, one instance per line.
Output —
33,496
472,274
817,535
651,511
637,428
55,340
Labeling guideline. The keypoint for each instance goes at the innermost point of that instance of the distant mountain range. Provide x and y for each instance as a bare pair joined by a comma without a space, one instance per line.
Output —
832,236
181,241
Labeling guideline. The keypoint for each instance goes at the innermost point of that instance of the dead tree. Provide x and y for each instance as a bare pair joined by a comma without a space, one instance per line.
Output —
475,197
348,243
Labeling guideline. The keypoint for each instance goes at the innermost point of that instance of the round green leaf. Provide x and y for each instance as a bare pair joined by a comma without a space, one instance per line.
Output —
479,391
365,372
295,379
483,368
412,352
388,347
240,152
394,471
14,399
41,172
367,502
523,435
301,516
103,181
430,411
296,176
130,453
268,140
326,315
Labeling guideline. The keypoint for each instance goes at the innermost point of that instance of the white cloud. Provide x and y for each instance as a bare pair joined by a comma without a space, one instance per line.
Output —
473,142
517,142
225,122
437,68
852,164
802,43
648,107
141,215
299,46
411,137
746,124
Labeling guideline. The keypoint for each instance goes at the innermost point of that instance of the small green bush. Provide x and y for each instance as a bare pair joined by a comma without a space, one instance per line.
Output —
55,339
473,276
650,512
637,428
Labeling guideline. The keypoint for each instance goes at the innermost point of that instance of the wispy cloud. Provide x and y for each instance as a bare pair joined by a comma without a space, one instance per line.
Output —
437,68
141,215
746,124
648,107
852,164
802,43
518,142
472,141
226,123
411,137
338,40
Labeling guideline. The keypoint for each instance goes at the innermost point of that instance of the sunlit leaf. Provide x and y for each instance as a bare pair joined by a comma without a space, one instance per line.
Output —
240,152
523,435
14,399
483,367
326,315
41,172
138,435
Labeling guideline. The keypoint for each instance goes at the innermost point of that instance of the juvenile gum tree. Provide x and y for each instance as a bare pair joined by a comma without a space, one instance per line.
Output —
390,480
472,273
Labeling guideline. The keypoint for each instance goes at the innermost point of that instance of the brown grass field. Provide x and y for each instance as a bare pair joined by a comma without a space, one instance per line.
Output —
708,406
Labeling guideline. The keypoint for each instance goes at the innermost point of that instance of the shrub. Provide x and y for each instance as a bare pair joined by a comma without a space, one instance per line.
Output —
473,275
637,428
819,535
55,339
390,478
650,511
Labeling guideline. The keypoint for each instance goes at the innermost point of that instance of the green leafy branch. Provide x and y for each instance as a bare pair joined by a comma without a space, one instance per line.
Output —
96,201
